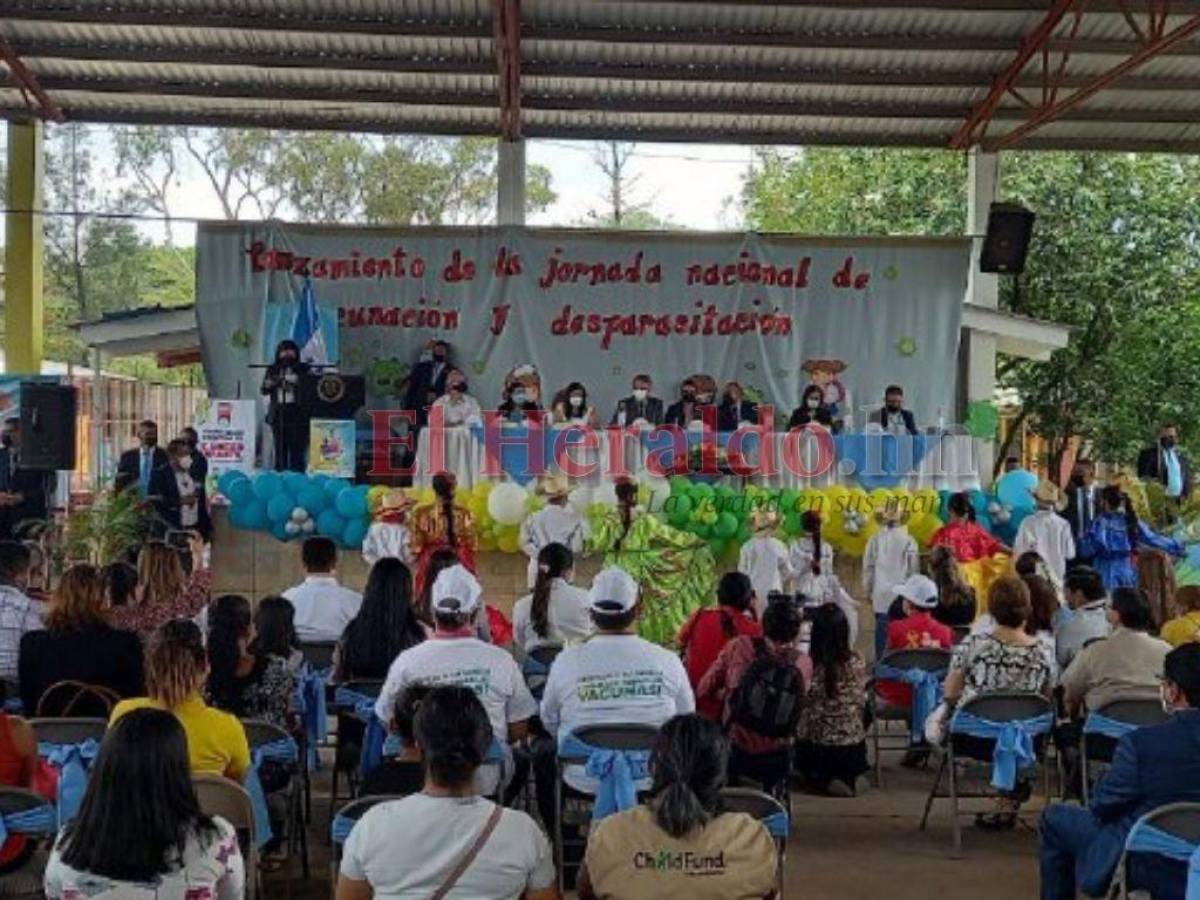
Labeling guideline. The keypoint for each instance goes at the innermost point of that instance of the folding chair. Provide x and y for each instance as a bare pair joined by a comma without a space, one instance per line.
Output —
536,668
70,746
770,812
266,735
347,755
76,698
343,823
318,654
69,731
933,661
1030,714
219,796
624,736
1107,725
1172,831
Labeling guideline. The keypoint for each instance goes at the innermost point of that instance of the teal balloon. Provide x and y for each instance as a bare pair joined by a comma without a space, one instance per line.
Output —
228,479
1014,489
237,517
256,515
313,499
334,486
267,485
279,507
351,503
279,529
295,482
356,531
330,524
320,480
726,526
239,493
678,507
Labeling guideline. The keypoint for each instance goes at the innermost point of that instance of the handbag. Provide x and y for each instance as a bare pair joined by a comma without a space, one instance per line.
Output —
469,857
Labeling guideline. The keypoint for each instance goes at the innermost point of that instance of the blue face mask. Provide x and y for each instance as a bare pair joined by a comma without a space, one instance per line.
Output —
426,356
520,397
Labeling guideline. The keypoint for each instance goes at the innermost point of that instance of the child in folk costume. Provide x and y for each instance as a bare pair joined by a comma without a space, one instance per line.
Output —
1047,533
556,523
891,557
388,536
764,558
812,562
809,546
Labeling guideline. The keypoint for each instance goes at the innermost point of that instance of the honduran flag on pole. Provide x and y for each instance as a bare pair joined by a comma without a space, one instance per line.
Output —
306,332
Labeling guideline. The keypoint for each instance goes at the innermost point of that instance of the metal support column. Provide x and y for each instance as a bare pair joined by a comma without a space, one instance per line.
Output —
983,181
510,183
23,255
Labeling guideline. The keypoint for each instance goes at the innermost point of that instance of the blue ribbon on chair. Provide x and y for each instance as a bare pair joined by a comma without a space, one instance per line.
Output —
1146,838
616,772
14,706
362,707
1103,725
1014,742
73,762
341,828
283,750
778,825
926,694
37,821
310,702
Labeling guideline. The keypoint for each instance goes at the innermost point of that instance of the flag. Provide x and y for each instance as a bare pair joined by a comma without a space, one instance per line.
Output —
306,331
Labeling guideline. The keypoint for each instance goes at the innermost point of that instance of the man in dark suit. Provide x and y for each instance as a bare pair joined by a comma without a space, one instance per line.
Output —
893,416
639,406
1151,767
142,461
177,496
1082,500
734,409
1165,464
428,376
685,409
24,493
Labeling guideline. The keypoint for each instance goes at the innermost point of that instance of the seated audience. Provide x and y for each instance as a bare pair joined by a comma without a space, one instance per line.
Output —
249,685
683,819
1152,766
1156,576
1005,659
439,559
385,626
1185,628
1043,611
832,751
79,645
457,656
556,613
917,630
640,409
747,681
385,856
403,773
1127,663
709,630
18,613
571,407
120,583
18,763
735,410
275,633
1086,617
323,607
140,831
164,591
814,411
176,670
956,598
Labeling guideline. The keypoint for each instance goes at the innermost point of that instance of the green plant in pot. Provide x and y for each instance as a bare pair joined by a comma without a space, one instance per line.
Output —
116,523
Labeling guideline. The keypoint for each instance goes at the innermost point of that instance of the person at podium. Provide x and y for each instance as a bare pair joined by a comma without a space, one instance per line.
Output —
640,409
285,413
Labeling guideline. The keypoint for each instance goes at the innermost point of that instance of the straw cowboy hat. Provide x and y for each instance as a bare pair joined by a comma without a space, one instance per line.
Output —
764,519
395,499
1048,492
555,485
892,511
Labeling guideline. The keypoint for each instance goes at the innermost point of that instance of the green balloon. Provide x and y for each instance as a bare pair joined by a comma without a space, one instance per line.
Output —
793,523
789,502
679,508
700,529
680,485
744,533
726,525
718,547
702,491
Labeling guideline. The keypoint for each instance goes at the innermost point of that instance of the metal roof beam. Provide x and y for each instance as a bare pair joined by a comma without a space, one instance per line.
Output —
506,22
1178,7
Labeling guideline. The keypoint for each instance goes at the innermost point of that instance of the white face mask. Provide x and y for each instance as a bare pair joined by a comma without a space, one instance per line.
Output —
576,400
185,462
639,394
813,402
704,398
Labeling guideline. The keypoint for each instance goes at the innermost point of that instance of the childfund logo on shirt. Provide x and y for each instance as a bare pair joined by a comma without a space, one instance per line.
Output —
620,686
684,861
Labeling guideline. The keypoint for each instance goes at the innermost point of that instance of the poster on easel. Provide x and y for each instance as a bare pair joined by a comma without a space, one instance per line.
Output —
331,446
226,430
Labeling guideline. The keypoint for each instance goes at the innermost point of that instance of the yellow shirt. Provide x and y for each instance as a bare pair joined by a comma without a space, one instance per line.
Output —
216,739
1182,630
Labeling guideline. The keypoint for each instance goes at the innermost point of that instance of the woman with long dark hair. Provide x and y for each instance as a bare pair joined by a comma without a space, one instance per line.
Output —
249,685
140,832
813,410
1115,536
441,526
832,750
967,540
386,624
571,407
275,632
556,612
956,598
164,590
684,819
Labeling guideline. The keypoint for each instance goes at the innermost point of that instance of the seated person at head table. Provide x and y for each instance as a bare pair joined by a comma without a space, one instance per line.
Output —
735,409
640,409
697,394
813,411
571,407
517,404
893,417
457,406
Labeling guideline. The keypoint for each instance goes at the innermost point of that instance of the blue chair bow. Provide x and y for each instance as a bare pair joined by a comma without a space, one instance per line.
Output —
1111,728
341,828
778,825
283,750
616,772
1014,742
73,762
310,703
926,693
41,820
1146,838
362,707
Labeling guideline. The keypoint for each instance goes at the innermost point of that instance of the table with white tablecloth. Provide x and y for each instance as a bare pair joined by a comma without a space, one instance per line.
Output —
800,459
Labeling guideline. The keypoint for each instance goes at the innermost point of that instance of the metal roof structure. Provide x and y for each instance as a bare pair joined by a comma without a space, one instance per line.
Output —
1039,74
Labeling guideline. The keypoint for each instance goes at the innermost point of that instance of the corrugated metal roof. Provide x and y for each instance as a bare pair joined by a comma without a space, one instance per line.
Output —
801,71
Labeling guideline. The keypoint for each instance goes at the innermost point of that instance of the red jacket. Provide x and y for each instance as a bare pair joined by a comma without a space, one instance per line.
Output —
702,639
913,633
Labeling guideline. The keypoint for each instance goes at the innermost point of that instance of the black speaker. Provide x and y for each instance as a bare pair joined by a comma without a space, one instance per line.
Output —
47,426
1007,240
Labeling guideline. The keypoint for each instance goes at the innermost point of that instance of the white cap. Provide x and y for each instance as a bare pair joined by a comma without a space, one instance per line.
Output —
613,591
919,591
455,591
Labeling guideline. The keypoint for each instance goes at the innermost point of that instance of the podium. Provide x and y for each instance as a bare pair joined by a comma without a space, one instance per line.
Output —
331,395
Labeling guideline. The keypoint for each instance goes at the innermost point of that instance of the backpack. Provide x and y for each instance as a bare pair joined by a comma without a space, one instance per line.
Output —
770,696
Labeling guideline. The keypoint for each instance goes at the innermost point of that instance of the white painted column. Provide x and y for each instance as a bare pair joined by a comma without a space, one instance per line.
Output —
983,182
99,413
510,183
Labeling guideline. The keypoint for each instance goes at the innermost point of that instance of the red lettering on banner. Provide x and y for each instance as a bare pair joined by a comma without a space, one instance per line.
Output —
382,442
589,439
679,447
499,317
560,271
408,317
793,458
845,277
765,430
459,269
494,440
748,271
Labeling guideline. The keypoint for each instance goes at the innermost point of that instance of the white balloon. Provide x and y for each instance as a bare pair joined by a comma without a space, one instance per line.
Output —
508,503
292,528
308,526
299,514
606,494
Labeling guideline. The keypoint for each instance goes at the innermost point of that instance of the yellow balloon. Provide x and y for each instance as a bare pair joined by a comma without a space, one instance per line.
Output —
482,489
508,543
923,528
427,495
486,541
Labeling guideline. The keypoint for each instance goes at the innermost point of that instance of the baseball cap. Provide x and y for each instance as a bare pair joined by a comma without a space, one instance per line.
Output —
613,591
455,591
919,591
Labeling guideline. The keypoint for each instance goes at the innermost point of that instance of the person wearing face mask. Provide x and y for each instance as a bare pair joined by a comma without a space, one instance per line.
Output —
457,406
285,413
1083,504
813,411
24,493
139,463
518,403
177,496
189,435
431,373
687,408
1167,465
571,407
639,409
893,417
735,410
